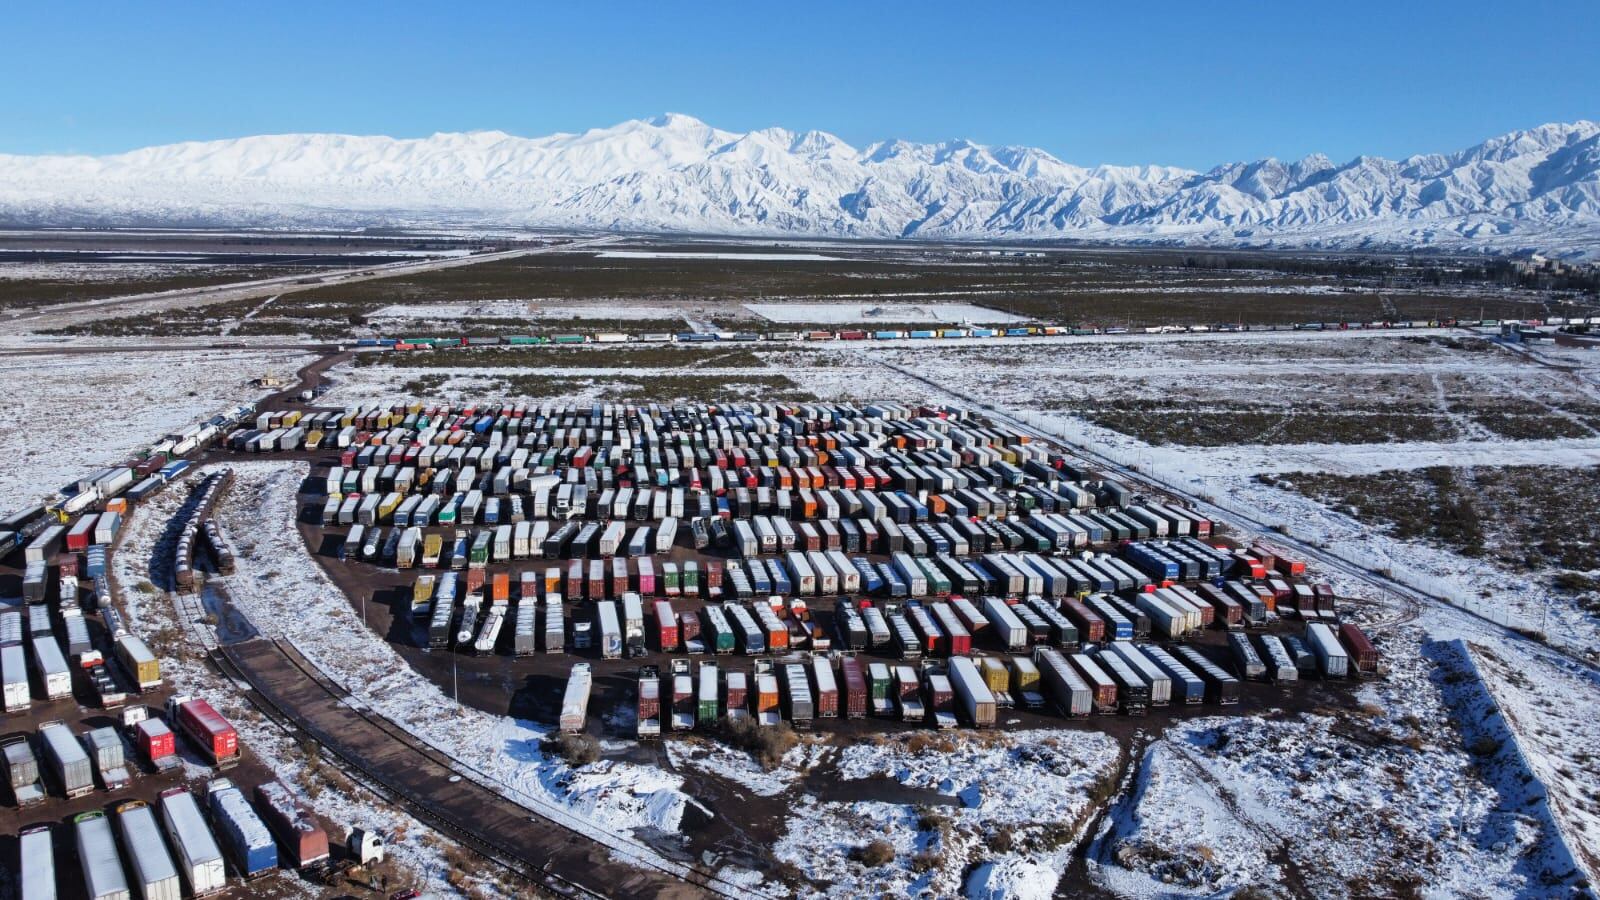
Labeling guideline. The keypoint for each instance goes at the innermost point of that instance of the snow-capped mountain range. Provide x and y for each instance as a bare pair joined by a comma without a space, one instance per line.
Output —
1528,190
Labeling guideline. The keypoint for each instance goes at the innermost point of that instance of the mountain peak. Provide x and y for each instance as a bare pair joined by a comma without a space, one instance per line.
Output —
1538,187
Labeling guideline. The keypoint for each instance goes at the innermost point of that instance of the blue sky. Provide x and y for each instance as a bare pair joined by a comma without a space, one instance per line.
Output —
1189,84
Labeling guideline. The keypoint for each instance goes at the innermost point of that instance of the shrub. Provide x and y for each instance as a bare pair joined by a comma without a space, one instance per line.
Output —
767,743
926,860
575,749
878,853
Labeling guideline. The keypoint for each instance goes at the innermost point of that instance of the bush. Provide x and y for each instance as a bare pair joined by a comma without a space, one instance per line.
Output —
875,854
1003,840
768,744
575,749
926,861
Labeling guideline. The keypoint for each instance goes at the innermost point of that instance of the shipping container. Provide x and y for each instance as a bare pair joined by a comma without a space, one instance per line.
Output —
1008,630
211,734
1100,683
609,629
14,669
139,662
1133,692
1363,655
827,688
1247,662
1187,687
156,743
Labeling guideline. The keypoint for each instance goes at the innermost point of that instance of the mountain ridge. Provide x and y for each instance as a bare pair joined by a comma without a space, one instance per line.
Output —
1531,189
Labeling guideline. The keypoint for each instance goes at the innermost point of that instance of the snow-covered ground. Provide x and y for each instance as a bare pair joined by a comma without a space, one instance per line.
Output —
1008,806
68,414
734,257
867,313
137,566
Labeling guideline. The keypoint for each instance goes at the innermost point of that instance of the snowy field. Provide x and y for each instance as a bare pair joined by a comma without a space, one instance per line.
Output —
71,413
533,309
867,313
732,257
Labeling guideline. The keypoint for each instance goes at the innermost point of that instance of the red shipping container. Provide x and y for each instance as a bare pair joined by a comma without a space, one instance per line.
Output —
209,730
667,624
155,739
474,580
292,823
855,688
1362,654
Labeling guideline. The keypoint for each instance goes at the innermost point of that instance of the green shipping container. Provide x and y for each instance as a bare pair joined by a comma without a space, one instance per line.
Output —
569,339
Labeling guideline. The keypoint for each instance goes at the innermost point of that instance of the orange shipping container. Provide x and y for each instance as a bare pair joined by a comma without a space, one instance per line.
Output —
502,587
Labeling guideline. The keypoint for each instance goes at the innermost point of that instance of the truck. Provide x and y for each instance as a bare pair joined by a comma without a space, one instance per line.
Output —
22,771
575,699
152,866
296,829
68,762
245,837
649,707
973,697
103,878
210,733
109,756
197,854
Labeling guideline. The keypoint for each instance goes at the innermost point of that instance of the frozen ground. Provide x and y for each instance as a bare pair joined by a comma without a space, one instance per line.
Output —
867,313
137,566
734,257
68,414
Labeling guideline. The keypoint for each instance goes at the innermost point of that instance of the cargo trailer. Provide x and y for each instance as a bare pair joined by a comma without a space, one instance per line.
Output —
1331,656
1280,662
1159,682
1221,687
1072,694
1187,687
736,696
1363,655
768,705
103,878
827,688
575,699
707,695
940,699
36,863
55,679
797,694
157,743
1100,683
151,864
609,629
14,670
296,829
1133,692
1247,662
69,763
1006,626
244,836
974,698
